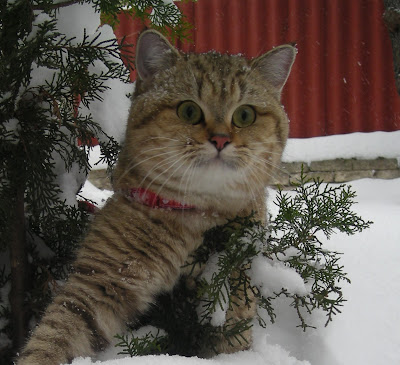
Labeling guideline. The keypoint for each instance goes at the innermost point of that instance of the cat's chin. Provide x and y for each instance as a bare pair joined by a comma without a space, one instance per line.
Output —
217,176
219,164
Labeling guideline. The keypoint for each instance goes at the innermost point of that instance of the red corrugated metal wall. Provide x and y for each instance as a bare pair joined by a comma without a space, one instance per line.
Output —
342,80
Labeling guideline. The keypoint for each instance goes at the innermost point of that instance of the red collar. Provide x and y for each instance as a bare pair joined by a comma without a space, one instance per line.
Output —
151,199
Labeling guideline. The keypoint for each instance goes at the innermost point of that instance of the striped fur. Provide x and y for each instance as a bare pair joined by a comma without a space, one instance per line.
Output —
134,252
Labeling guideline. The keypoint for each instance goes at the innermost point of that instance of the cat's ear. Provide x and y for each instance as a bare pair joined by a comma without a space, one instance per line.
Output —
153,54
276,64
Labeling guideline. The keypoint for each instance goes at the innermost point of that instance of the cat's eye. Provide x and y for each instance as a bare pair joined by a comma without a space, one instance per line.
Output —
244,116
190,112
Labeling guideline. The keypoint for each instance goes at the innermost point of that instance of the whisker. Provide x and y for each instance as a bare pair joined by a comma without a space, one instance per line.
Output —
253,173
250,167
190,176
155,149
161,163
130,168
263,169
162,137
173,173
245,178
276,167
267,162
267,141
159,148
260,165
163,172
191,169
183,176
269,152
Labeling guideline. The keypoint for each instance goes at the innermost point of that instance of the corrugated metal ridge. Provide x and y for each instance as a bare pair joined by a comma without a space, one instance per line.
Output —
342,80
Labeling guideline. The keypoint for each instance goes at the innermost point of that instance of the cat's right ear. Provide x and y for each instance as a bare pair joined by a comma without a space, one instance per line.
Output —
275,65
153,54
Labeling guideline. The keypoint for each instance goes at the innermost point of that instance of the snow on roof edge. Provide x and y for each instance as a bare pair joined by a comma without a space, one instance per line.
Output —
354,145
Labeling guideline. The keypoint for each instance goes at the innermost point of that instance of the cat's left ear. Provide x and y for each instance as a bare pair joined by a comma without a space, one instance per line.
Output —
153,54
276,64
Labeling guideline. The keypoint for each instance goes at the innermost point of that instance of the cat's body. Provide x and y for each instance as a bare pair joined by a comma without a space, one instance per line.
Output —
204,135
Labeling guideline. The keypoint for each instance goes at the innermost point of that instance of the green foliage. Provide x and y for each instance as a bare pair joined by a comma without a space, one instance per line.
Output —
294,239
175,313
315,210
162,16
236,252
149,344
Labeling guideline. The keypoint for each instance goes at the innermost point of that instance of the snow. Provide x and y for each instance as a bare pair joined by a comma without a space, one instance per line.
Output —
366,332
249,357
99,197
41,75
112,111
12,127
69,181
39,19
353,145
73,19
271,276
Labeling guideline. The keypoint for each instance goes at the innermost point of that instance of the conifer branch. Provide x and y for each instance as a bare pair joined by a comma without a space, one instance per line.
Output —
55,6
290,240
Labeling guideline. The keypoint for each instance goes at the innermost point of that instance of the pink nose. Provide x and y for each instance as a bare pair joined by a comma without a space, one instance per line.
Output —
220,141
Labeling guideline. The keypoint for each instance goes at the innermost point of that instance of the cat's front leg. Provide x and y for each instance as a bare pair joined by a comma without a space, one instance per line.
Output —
78,323
241,312
92,308
120,268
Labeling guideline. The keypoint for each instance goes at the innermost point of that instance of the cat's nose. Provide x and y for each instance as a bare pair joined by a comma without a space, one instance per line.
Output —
220,141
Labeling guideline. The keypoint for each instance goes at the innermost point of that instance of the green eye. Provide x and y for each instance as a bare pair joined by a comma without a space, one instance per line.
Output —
244,116
190,112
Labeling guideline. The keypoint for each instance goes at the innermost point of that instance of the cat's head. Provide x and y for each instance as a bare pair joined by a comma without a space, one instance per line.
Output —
204,127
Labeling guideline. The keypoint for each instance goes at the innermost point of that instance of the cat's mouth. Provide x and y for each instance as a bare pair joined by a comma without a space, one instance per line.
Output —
219,162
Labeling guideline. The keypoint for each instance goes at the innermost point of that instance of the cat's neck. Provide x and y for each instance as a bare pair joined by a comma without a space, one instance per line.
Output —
153,200
226,203
217,213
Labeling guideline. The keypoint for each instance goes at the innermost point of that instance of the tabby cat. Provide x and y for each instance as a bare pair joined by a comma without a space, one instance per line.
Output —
204,136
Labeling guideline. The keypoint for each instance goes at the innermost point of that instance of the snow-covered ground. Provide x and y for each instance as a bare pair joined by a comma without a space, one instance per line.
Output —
367,330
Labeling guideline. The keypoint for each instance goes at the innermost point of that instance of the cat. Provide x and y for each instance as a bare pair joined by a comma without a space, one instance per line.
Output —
205,134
